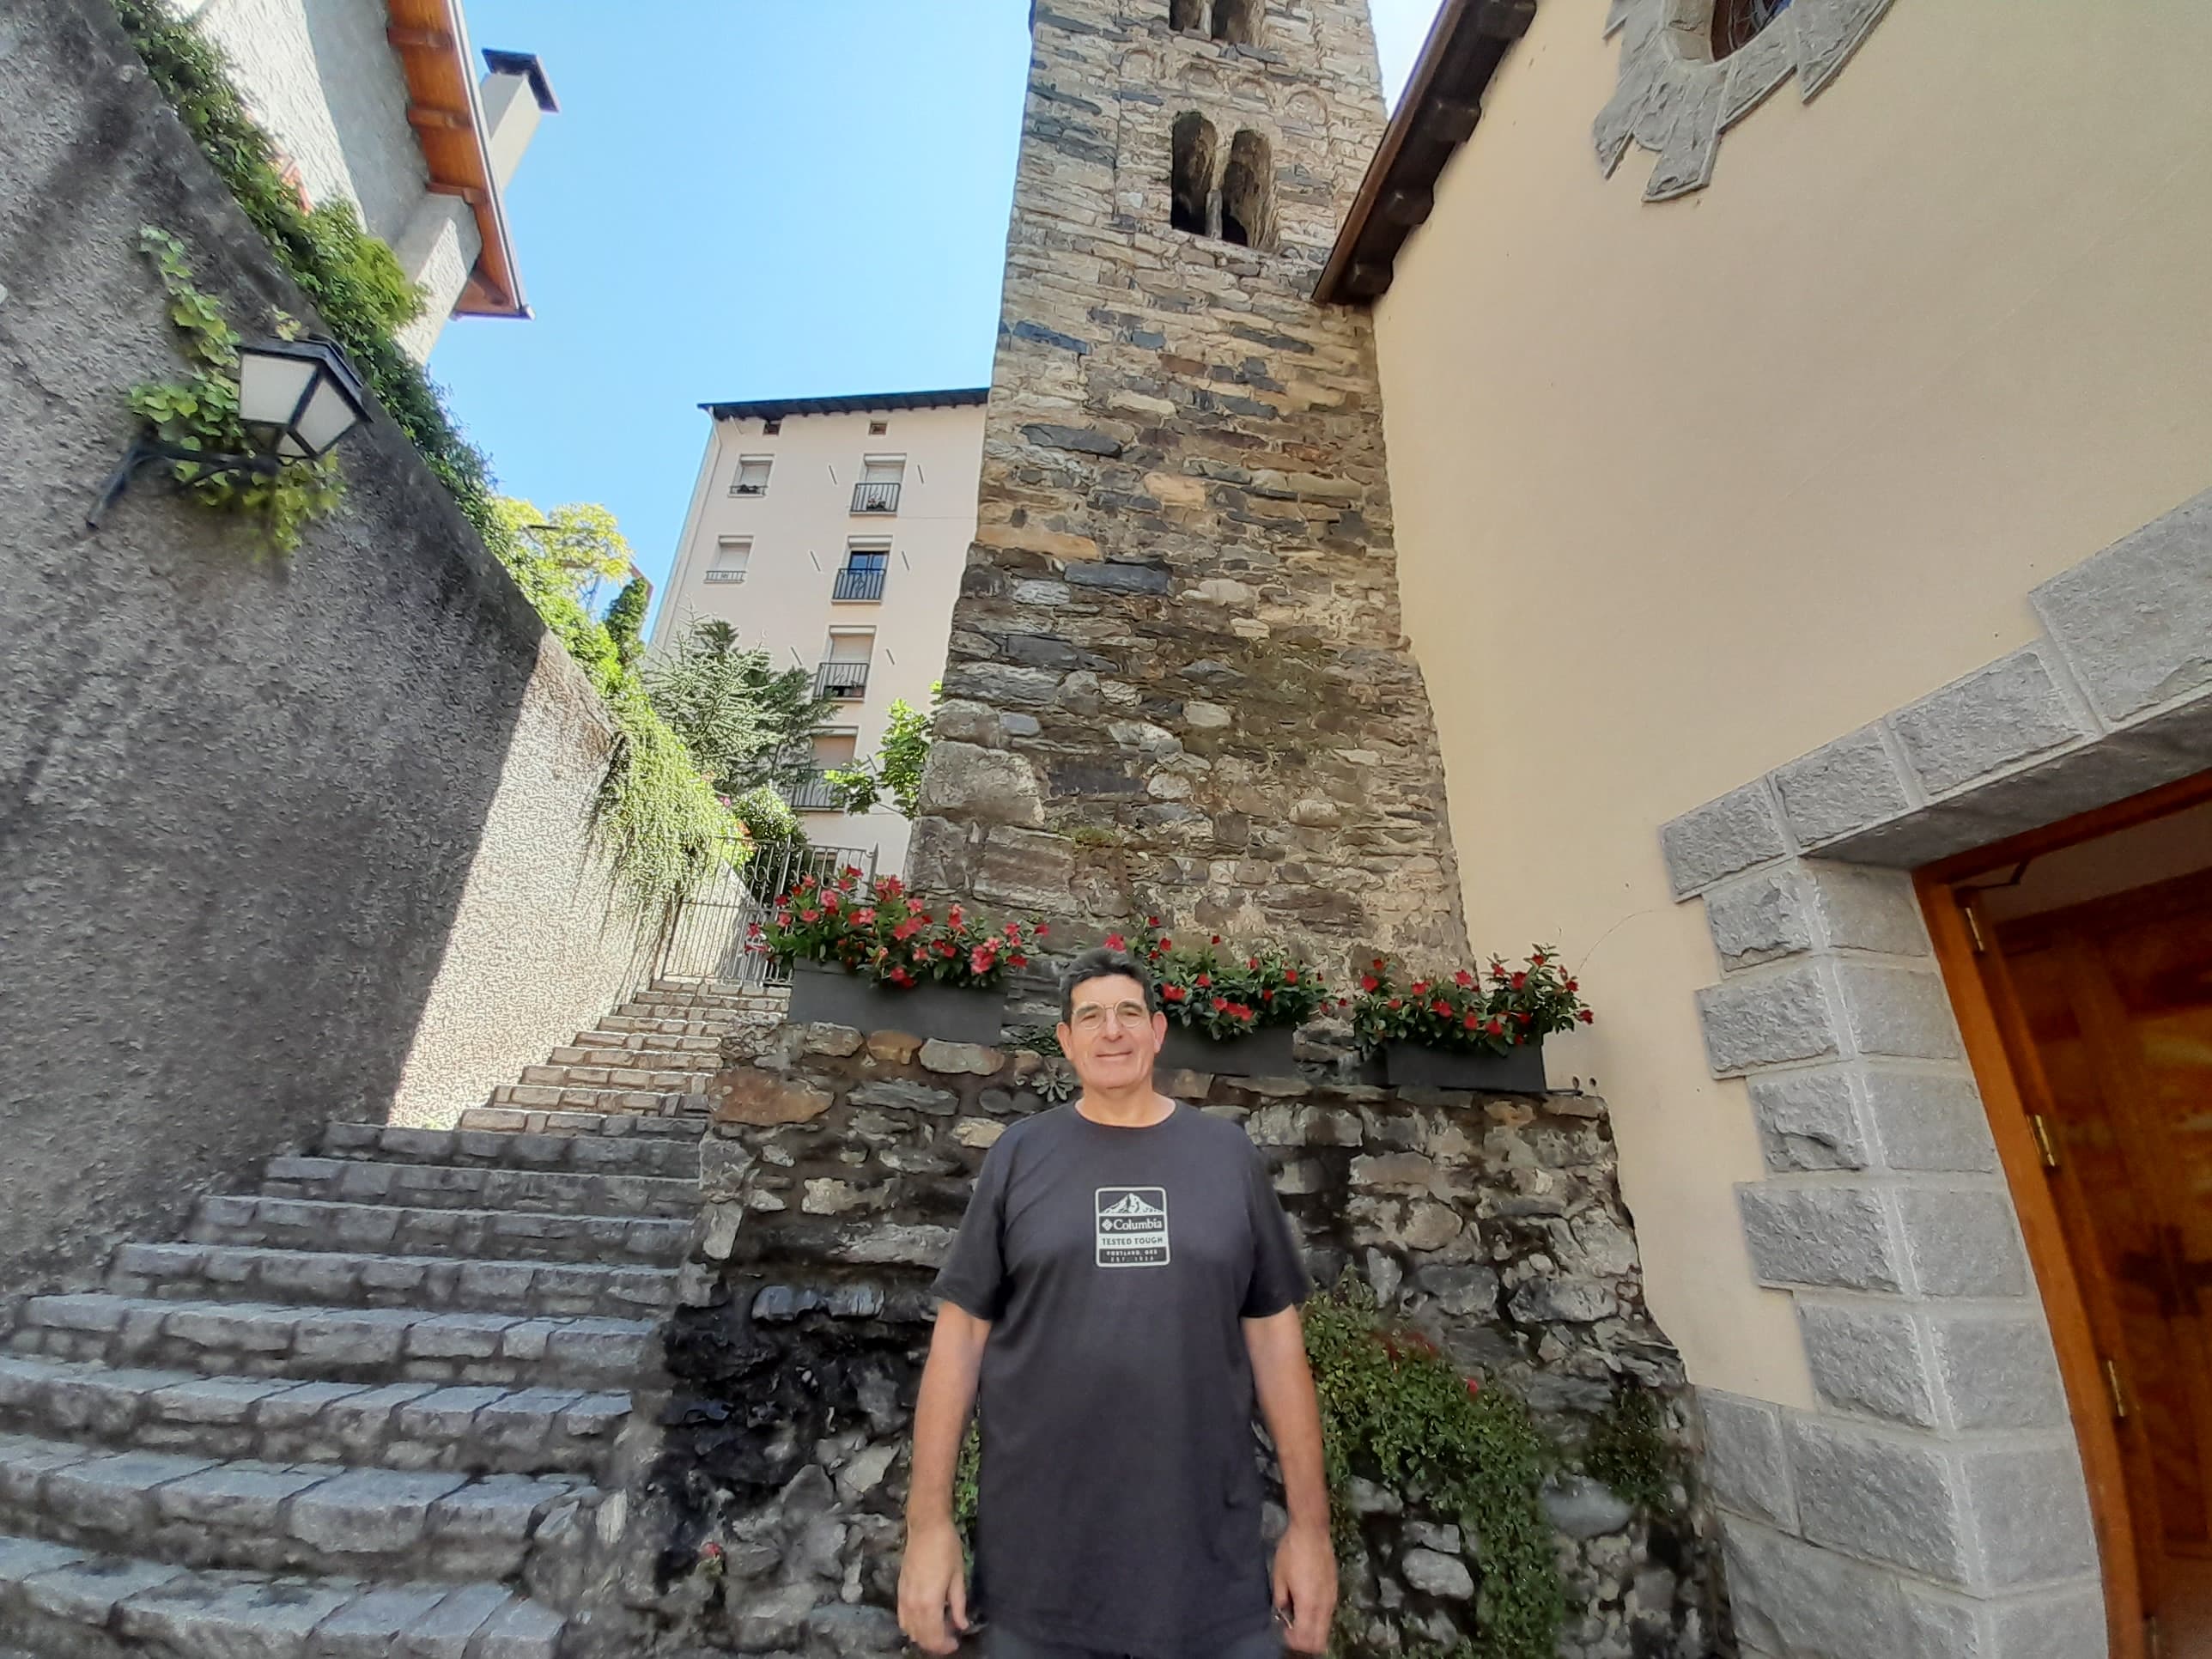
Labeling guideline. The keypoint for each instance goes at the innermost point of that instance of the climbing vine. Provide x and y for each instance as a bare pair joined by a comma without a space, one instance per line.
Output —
200,412
1394,1409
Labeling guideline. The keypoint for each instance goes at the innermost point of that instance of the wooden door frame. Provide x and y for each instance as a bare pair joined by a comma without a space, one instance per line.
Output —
2080,1365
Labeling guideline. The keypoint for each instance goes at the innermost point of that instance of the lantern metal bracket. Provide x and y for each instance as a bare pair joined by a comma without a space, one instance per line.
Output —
147,451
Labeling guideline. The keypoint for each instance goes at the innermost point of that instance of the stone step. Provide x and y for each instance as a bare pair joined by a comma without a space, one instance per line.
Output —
628,1025
406,1425
679,1131
498,1235
460,1186
609,1035
64,1602
342,1345
635,1057
579,1097
599,1154
562,1075
285,1518
353,1279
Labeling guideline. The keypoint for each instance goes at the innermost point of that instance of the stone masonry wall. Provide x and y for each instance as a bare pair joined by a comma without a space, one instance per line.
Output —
839,1164
1177,681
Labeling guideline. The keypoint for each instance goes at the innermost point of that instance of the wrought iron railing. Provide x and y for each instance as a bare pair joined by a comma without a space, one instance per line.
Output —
848,681
708,936
811,793
860,581
875,498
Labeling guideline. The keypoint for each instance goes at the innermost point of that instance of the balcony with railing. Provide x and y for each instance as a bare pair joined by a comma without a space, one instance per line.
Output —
848,681
811,793
876,498
859,584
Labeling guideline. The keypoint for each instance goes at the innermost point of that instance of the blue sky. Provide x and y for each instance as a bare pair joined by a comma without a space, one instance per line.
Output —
746,199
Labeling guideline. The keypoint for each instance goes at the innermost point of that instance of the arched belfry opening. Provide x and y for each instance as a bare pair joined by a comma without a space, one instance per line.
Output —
1247,204
1191,177
1236,21
1189,16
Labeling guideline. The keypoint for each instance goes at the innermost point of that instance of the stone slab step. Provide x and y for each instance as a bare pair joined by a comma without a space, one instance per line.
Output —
283,1517
64,1602
603,1153
406,1425
576,1098
692,1045
616,1076
361,1279
475,1187
683,1129
630,1025
618,1057
344,1345
503,1235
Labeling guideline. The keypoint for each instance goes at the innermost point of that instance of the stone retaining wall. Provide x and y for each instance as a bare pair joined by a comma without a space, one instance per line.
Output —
837,1168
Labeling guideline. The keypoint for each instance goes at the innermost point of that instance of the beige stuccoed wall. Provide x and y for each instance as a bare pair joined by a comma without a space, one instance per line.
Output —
544,942
1685,491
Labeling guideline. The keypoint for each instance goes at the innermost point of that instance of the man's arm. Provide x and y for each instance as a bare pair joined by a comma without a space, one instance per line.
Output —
1305,1560
932,1577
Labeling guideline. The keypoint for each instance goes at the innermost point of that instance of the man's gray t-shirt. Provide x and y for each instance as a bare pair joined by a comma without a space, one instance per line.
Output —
1120,1508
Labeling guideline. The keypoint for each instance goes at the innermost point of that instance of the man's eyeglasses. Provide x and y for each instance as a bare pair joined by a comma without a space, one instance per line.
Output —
1093,1016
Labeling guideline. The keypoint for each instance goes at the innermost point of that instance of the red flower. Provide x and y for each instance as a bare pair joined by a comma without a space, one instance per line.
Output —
1397,1002
954,915
914,907
1152,922
1462,979
1019,960
900,977
1203,980
907,929
1115,942
1440,1007
1572,986
1252,963
1519,981
1290,976
1474,1385
1420,987
1537,960
982,959
1472,1021
1217,938
1585,1015
864,916
710,1551
1267,996
753,930
810,915
1369,982
1167,944
1042,930
1496,1028
830,901
1172,994
1220,1002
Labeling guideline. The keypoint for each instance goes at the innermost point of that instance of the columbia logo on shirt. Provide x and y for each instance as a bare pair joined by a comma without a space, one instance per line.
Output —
1132,1226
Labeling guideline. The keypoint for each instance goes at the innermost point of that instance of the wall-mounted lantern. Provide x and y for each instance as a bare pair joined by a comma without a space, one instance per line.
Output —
295,398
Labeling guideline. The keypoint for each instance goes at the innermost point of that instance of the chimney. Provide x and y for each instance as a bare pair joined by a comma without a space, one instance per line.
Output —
515,94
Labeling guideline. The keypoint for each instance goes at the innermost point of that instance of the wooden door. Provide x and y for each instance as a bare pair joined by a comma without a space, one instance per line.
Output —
2107,1010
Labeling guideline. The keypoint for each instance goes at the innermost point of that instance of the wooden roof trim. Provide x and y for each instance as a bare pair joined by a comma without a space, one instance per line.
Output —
1442,103
430,39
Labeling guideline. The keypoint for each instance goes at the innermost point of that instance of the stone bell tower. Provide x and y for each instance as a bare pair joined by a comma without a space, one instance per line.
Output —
1177,681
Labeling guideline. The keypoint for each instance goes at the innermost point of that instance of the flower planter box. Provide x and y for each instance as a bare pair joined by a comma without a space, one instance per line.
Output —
823,994
1517,1072
1264,1053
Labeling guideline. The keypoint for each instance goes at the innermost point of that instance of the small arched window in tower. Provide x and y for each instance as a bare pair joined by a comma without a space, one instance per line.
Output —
1236,21
1192,177
1248,208
1735,22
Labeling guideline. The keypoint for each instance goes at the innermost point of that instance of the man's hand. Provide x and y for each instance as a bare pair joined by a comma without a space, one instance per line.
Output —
932,1579
1305,1588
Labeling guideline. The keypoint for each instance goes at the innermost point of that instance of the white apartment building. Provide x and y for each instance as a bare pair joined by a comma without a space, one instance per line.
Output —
377,102
832,532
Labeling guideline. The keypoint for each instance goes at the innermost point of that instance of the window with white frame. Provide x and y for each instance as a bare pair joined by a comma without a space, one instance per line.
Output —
751,475
733,554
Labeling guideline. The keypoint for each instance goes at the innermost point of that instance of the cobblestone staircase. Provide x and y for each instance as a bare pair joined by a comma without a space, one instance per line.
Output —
378,1407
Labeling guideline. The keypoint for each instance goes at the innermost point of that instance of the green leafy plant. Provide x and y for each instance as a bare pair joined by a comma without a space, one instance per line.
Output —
1627,1449
1466,1011
200,412
898,767
887,935
777,831
625,620
749,722
553,558
663,828
1394,1409
1223,991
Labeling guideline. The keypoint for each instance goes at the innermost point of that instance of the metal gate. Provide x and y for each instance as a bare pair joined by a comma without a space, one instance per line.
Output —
707,940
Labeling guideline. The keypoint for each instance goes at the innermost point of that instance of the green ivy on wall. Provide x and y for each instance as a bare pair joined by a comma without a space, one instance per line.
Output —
1393,1408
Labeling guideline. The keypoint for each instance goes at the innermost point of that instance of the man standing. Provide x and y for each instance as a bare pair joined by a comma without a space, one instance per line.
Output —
1124,1283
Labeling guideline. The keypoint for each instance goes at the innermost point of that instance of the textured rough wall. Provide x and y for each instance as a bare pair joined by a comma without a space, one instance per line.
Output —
543,944
239,799
1177,680
840,1164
